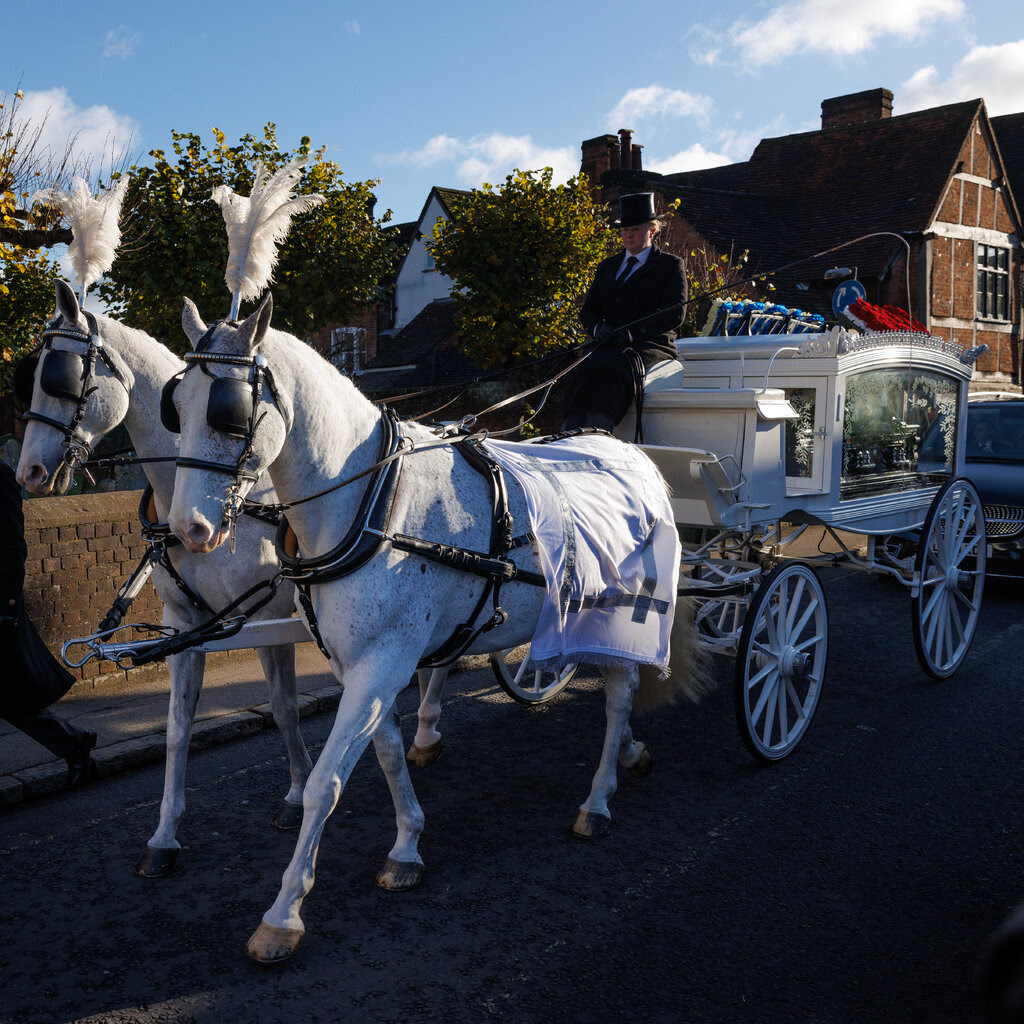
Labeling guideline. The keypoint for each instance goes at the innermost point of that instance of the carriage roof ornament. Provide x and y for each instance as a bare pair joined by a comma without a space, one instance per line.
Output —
95,231
256,226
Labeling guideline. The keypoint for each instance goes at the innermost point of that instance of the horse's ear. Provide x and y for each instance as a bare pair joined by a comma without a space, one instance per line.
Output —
67,301
192,322
255,325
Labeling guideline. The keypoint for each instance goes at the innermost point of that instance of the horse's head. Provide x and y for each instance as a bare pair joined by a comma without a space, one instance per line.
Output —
232,419
76,389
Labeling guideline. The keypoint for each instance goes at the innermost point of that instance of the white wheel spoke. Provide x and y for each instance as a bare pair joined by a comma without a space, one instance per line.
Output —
761,675
795,699
794,606
769,717
771,686
812,607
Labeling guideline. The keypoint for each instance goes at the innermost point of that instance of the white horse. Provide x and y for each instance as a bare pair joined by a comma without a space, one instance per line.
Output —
143,366
311,429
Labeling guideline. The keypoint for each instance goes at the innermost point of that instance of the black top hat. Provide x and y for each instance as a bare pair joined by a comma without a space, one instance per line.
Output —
636,209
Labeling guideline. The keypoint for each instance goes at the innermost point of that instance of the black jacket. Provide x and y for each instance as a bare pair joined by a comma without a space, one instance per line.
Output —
658,287
32,679
605,382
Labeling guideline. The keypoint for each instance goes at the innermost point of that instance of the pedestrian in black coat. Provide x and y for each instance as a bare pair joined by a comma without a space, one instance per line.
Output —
32,678
635,304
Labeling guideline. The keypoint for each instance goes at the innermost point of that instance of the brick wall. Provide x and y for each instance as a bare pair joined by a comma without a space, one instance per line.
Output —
80,550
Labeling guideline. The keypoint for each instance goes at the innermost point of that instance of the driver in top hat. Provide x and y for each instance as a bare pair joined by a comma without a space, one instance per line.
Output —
633,310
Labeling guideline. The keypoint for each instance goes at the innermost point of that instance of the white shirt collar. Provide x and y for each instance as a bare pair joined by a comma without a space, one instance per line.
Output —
641,258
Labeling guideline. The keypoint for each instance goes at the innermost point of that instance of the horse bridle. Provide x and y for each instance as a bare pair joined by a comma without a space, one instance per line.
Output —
62,373
232,410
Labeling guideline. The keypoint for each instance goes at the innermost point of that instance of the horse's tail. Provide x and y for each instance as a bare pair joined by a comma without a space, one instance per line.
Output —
688,669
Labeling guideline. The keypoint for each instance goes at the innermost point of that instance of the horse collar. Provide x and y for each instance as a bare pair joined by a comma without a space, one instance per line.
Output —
369,528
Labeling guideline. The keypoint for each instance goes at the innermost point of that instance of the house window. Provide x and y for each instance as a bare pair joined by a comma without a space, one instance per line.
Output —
993,282
429,264
347,347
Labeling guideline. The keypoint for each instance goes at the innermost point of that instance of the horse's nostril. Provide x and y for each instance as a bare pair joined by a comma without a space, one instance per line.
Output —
33,475
199,533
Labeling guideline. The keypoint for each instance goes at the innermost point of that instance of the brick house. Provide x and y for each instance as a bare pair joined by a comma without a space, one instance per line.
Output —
933,181
416,351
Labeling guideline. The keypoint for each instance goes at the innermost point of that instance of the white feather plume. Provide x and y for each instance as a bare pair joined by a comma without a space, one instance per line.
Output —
95,231
257,225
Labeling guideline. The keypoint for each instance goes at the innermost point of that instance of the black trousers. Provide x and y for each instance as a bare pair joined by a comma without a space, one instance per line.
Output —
61,738
574,420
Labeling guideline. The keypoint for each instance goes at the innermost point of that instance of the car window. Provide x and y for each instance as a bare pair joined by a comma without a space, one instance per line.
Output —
995,430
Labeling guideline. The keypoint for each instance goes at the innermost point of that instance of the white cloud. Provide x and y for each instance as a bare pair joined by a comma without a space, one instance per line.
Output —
836,27
489,157
995,73
97,131
121,42
353,27
657,101
693,158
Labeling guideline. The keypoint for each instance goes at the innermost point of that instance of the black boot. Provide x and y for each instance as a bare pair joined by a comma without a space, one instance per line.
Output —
80,762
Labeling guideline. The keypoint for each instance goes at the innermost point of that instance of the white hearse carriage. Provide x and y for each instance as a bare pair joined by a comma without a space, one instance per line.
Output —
856,432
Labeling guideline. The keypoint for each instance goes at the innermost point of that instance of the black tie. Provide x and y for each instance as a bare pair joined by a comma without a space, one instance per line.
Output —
630,264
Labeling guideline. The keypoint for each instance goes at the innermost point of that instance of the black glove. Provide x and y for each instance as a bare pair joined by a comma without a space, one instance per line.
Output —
605,333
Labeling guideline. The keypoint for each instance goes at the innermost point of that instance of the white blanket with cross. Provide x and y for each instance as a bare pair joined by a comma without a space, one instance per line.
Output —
608,546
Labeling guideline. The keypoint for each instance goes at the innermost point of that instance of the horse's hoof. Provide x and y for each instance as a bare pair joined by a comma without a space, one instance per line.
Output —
643,764
288,816
270,944
157,861
396,876
424,757
591,826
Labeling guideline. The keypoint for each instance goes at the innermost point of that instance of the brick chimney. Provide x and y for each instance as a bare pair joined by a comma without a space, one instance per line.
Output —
599,155
857,107
626,147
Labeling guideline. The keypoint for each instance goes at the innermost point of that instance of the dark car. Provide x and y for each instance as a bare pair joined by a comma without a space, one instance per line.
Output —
995,465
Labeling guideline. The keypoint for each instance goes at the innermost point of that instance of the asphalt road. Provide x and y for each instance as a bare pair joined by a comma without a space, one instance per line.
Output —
854,882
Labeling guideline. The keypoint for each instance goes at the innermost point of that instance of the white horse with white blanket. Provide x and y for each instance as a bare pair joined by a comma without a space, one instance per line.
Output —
381,552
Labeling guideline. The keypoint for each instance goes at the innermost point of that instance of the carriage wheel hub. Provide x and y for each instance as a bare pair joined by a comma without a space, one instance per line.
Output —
790,661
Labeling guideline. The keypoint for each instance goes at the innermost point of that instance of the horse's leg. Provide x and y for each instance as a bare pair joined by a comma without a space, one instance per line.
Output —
404,867
279,668
362,709
426,747
620,686
634,755
186,671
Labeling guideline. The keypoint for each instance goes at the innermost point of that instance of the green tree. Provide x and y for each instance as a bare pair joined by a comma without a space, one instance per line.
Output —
26,273
175,244
521,257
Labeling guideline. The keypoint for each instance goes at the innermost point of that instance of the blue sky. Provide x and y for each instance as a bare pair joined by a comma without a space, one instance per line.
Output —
458,93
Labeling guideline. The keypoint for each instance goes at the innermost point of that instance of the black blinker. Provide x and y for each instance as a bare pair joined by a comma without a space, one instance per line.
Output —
168,414
24,379
62,376
230,406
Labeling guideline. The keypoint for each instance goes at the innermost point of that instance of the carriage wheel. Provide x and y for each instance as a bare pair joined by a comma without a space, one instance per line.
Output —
528,686
950,571
780,664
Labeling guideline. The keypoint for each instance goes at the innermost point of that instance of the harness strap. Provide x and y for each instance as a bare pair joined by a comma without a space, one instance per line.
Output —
368,530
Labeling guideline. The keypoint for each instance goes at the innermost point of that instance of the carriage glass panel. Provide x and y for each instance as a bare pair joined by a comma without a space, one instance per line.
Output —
899,431
800,461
